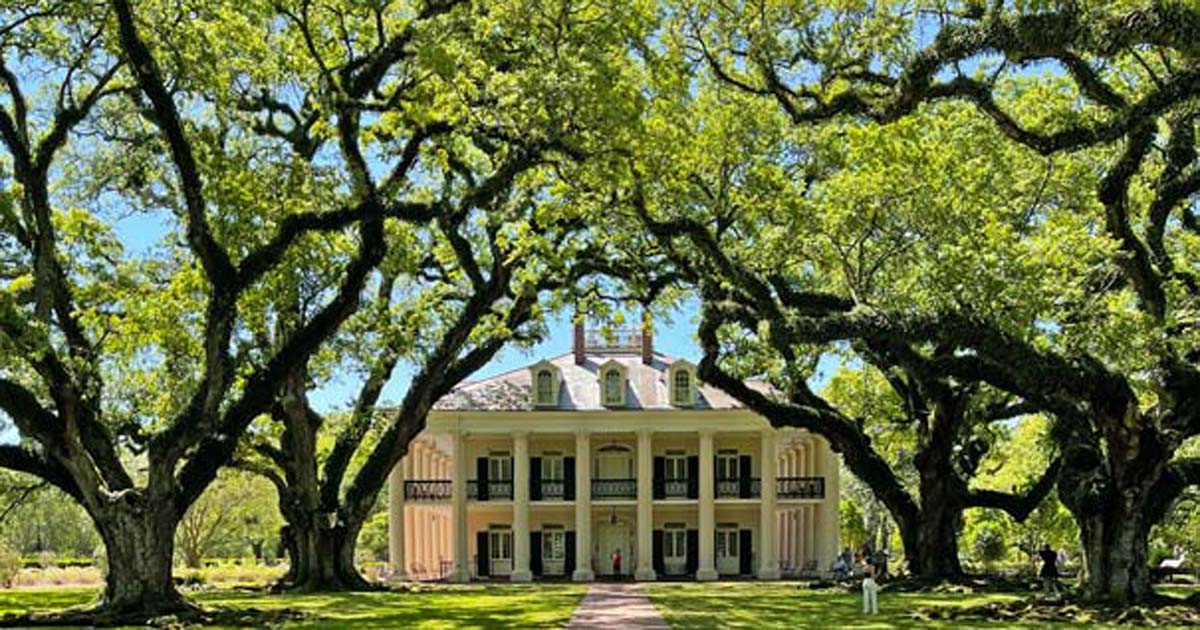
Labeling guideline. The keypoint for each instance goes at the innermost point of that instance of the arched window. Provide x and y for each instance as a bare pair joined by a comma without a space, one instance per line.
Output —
545,387
682,388
613,387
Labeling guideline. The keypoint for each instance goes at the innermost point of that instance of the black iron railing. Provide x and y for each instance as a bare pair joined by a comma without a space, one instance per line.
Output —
553,489
739,488
428,490
614,489
674,488
800,487
494,491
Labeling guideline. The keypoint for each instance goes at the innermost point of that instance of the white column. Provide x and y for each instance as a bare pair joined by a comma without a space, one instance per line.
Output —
583,507
768,561
645,507
706,570
396,531
783,522
427,525
789,516
826,521
811,549
410,528
461,572
520,506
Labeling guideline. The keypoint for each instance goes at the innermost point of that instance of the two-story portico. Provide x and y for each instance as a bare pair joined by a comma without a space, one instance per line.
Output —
610,451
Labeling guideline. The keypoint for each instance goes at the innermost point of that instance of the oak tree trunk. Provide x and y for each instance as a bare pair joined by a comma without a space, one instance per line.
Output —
140,544
322,558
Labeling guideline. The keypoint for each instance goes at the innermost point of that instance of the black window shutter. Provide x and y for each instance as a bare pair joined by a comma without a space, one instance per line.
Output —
535,553
693,551
481,476
483,566
660,478
745,552
693,480
569,478
569,561
660,566
744,476
535,478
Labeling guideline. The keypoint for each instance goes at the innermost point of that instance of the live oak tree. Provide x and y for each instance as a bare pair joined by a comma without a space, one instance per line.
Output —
539,84
1115,81
132,375
773,223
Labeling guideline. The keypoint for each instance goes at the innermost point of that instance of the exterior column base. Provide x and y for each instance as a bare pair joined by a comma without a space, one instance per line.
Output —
706,575
583,575
521,576
769,574
460,576
645,575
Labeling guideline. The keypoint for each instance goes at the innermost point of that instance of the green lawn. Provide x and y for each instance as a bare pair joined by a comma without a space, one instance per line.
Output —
500,606
787,605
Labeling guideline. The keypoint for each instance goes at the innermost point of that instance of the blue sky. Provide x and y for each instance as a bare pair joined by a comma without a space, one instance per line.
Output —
674,334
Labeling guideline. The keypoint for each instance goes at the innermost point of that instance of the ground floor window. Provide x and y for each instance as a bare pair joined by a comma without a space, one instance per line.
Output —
500,543
675,550
554,543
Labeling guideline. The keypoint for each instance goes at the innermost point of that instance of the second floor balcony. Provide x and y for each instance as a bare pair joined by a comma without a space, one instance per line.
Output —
787,488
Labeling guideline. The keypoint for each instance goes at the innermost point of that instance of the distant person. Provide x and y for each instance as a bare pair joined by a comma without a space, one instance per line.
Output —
870,591
880,562
616,562
1049,571
840,568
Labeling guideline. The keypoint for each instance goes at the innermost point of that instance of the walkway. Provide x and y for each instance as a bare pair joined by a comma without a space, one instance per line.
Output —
613,606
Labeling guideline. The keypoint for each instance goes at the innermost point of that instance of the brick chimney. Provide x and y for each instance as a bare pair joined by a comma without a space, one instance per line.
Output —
577,343
647,337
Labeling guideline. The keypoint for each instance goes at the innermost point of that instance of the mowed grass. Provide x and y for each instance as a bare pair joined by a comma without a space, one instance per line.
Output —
469,606
789,605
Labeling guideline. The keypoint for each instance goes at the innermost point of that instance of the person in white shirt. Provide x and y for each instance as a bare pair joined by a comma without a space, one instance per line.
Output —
870,591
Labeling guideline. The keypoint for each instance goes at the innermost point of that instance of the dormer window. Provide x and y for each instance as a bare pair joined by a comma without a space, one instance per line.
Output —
682,388
612,384
612,387
544,389
681,379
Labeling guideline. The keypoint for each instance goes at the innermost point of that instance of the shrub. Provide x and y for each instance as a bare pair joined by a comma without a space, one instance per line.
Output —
989,547
10,565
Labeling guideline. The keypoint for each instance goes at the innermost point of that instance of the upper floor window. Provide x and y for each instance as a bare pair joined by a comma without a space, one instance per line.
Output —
681,392
612,387
612,384
545,387
681,383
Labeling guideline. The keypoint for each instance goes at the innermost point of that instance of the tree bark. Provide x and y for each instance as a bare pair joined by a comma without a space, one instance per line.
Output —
322,558
933,548
139,541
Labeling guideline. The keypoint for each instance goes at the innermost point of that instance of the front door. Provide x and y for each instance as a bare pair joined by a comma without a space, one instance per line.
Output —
727,551
675,551
554,551
500,550
612,539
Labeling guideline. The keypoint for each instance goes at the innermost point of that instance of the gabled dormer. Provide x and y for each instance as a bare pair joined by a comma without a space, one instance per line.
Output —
546,380
613,377
681,383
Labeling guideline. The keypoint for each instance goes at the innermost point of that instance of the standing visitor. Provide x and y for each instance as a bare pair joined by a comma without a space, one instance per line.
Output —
870,591
616,562
1049,570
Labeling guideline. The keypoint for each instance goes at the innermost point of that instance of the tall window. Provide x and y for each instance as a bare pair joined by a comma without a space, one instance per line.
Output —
545,388
682,388
613,387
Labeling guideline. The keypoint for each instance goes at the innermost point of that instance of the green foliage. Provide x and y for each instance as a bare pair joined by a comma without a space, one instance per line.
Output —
10,565
237,517
989,546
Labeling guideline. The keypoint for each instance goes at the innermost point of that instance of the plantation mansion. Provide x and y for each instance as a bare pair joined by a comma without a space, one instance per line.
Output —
612,460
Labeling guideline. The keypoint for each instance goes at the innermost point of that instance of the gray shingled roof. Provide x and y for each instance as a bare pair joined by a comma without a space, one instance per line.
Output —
580,387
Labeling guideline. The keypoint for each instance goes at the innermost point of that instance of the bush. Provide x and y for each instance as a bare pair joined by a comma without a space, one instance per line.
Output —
989,547
10,565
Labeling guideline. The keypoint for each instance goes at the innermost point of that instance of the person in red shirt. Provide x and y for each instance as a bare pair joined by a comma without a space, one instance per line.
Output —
616,562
